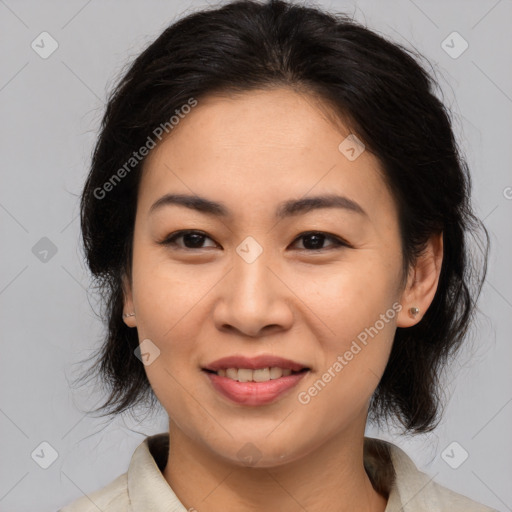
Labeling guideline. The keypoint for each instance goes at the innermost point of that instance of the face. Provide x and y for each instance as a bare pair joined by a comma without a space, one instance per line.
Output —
256,277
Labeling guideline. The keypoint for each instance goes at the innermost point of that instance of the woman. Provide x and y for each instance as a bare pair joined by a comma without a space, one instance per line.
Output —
278,214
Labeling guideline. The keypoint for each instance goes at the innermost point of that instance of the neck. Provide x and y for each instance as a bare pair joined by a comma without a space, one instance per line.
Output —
331,478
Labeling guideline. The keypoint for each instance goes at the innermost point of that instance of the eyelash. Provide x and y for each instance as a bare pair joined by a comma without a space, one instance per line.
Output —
170,240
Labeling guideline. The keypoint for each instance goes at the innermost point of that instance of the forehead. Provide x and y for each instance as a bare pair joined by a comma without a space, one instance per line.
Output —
259,147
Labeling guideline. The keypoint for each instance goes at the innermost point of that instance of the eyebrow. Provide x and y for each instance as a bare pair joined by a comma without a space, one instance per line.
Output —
286,209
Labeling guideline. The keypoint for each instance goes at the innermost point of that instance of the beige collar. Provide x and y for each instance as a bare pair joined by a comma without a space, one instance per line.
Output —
390,469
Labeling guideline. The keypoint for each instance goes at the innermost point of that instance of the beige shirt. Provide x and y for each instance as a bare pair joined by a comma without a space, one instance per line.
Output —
144,489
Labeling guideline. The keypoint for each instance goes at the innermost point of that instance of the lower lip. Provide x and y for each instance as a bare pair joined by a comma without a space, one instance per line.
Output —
254,393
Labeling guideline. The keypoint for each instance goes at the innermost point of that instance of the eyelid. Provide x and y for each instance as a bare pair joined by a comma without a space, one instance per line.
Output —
338,241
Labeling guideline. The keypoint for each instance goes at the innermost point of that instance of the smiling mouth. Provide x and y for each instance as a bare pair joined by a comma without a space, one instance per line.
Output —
254,386
257,375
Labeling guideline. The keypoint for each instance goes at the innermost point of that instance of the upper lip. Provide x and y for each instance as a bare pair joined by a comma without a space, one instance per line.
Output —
254,363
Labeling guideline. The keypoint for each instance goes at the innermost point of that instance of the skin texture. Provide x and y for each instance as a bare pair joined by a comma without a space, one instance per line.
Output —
251,152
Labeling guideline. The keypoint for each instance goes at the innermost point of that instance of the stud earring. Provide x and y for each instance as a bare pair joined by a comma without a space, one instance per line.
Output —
128,314
413,312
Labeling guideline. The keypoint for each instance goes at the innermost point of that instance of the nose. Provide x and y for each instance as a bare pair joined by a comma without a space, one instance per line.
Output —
254,299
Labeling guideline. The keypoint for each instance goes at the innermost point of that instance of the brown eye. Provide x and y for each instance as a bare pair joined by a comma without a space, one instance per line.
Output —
191,239
314,241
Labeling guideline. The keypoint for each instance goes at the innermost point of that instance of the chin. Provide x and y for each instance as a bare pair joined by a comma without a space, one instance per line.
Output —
261,452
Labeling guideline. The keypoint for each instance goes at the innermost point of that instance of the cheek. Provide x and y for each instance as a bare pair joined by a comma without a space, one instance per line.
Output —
354,362
167,312
350,296
165,293
167,302
358,309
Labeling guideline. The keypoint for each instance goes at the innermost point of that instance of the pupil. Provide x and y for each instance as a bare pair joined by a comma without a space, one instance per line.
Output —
317,241
196,240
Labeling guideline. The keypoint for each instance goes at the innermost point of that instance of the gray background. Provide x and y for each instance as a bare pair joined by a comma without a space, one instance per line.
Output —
50,111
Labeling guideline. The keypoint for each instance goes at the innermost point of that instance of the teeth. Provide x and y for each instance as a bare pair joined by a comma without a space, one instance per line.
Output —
260,375
275,372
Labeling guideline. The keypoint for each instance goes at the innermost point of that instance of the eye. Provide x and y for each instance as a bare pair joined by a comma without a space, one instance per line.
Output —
316,240
192,239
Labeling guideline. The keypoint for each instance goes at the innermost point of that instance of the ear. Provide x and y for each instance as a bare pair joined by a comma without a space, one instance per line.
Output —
422,282
128,308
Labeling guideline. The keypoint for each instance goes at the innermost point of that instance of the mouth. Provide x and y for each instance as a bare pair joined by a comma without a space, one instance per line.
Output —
254,381
251,392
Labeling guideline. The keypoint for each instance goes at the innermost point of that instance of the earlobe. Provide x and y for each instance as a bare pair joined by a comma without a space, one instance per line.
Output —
128,309
422,283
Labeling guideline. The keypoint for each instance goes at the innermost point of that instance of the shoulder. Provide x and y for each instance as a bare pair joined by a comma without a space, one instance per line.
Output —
455,502
142,487
411,490
421,492
112,498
